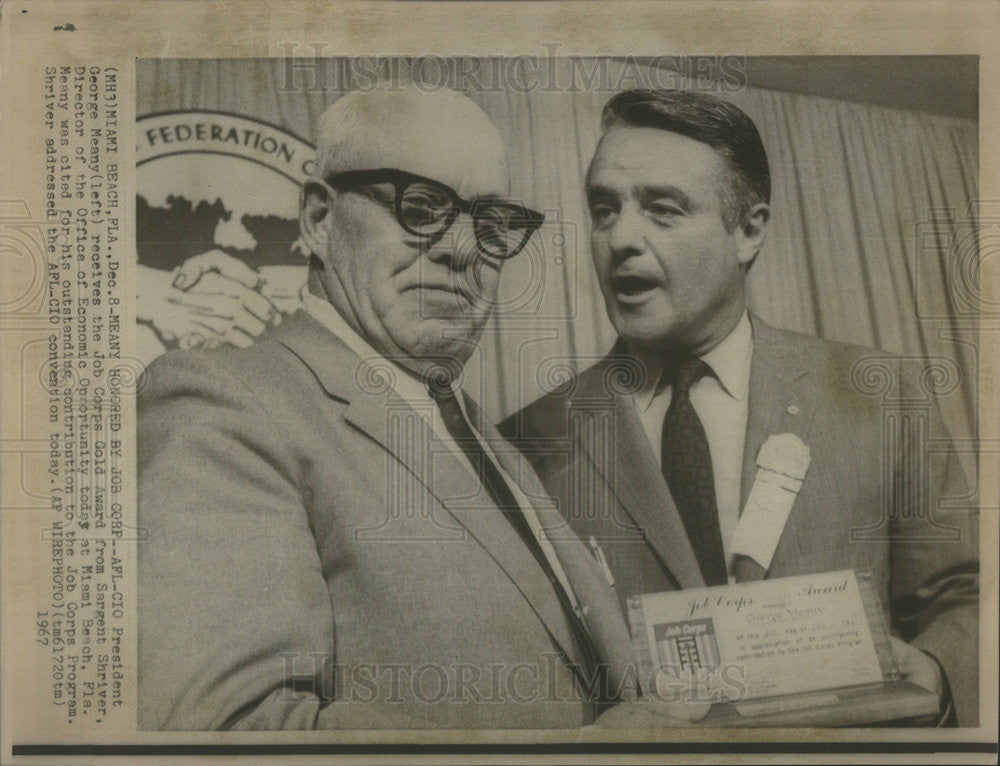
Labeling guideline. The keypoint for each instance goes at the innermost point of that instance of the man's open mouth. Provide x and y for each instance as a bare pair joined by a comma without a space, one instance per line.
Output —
632,286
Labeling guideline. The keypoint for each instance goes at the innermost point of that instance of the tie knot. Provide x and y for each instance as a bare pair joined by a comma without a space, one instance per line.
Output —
685,374
440,389
440,378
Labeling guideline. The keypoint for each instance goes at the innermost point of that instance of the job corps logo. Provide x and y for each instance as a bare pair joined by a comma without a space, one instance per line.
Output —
217,231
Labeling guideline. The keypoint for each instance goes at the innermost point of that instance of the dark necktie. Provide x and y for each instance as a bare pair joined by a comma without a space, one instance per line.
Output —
501,494
687,466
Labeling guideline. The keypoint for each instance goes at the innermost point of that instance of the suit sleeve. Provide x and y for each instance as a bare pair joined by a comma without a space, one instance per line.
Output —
236,627
231,596
935,561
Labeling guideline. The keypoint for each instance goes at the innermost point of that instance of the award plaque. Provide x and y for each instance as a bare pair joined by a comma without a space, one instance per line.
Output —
811,650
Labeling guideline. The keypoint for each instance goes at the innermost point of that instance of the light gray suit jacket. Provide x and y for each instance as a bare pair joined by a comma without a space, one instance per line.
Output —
866,420
312,562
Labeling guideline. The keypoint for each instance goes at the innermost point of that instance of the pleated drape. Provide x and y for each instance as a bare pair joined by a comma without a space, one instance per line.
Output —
868,241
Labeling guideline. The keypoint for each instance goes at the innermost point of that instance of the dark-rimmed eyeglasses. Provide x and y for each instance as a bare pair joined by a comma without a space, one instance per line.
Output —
427,208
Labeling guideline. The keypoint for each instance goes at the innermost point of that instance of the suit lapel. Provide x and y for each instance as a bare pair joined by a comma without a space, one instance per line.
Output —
780,402
599,604
342,374
495,533
632,473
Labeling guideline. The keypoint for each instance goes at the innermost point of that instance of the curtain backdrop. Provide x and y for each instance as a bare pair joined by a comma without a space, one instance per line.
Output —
867,206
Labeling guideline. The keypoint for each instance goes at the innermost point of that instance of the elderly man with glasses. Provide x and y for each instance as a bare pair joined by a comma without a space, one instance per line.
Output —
335,538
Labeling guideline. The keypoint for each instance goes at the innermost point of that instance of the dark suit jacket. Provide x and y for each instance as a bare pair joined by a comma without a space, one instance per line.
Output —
588,446
313,562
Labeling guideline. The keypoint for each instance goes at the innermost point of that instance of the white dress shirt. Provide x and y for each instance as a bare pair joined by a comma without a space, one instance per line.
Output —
721,401
413,392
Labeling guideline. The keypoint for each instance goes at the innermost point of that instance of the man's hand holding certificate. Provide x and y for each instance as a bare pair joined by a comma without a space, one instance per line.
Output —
808,650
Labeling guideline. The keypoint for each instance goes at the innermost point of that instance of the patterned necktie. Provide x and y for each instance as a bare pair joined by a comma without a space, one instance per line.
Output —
687,466
501,494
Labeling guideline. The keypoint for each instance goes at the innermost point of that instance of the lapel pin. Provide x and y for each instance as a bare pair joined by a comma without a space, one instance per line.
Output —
792,409
602,561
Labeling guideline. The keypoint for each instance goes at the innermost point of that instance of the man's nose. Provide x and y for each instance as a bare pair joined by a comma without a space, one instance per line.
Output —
626,236
457,248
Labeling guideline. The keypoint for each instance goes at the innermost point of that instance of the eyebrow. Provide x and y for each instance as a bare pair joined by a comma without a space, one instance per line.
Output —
600,191
655,192
644,193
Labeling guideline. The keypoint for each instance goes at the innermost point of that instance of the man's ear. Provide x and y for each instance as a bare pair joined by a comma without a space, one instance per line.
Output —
752,231
315,200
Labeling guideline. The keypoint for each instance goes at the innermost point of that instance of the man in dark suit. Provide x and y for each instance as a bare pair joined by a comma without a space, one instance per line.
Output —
335,538
654,451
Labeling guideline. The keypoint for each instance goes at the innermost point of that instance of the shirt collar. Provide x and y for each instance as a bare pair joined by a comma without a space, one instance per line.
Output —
730,362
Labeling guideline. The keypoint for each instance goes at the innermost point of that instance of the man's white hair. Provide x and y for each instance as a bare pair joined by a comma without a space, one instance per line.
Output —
362,125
